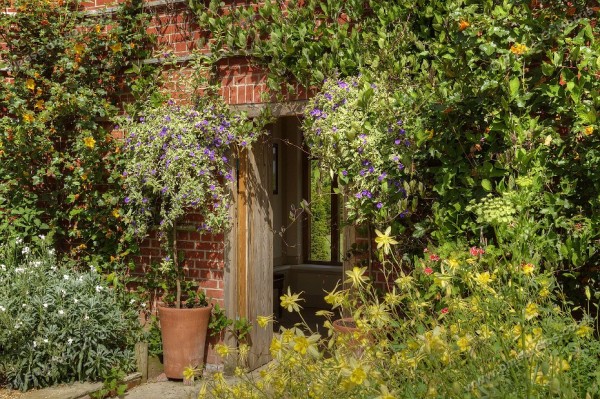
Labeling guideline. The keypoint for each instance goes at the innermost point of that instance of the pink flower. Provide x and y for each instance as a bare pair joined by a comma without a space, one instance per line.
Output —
476,251
445,310
434,257
428,270
426,250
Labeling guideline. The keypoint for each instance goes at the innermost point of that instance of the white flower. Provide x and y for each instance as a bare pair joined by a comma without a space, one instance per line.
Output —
86,317
18,241
3,267
37,263
63,292
25,250
66,276
34,344
2,308
42,237
24,305
75,300
19,270
45,305
132,301
69,341
98,288
61,312
45,340
51,252
92,268
143,305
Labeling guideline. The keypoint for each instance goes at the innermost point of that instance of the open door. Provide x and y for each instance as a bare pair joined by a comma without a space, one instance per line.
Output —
251,293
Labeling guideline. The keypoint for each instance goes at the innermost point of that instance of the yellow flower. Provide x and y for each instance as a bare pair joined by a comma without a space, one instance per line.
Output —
528,269
356,276
116,47
452,264
531,311
89,142
39,104
462,25
385,393
518,49
243,351
189,373
404,282
385,240
290,301
464,343
30,84
484,278
222,350
358,375
263,321
116,213
301,345
584,331
28,117
391,298
275,347
588,130
79,47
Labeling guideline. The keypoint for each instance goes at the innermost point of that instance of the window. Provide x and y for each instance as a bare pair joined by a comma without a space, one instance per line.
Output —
322,233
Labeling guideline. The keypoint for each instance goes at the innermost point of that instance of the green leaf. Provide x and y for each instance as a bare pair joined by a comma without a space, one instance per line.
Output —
486,184
514,86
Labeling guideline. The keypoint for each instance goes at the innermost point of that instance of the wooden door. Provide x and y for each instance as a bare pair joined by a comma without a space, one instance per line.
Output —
249,282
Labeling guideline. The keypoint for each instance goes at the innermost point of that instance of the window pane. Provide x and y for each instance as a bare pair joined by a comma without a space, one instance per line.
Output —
319,224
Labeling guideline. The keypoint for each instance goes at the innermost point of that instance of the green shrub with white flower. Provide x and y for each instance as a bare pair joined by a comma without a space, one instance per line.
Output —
179,159
461,323
58,325
353,127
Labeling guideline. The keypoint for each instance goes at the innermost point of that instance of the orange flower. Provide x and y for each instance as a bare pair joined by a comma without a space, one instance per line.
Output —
588,130
462,25
518,49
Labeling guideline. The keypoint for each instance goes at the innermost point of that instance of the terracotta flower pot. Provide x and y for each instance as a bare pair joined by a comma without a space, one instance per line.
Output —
184,337
345,325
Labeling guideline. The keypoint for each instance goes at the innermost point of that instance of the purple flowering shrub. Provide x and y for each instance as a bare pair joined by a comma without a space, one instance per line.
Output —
178,159
355,130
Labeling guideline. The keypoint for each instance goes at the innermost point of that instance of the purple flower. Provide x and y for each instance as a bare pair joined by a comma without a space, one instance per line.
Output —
224,159
244,143
127,200
398,142
142,119
164,190
328,96
382,176
345,172
402,131
167,118
163,131
212,187
379,205
400,166
362,172
125,173
167,258
316,112
170,102
145,200
399,123
342,84
358,195
371,169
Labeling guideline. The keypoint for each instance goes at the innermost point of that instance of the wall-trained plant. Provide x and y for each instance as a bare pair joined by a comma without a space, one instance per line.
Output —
64,76
58,325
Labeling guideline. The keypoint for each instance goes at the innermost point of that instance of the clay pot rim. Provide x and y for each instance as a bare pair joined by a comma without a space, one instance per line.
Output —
164,306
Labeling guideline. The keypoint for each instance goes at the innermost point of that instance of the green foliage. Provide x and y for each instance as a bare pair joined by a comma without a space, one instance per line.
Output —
113,385
58,160
58,325
219,322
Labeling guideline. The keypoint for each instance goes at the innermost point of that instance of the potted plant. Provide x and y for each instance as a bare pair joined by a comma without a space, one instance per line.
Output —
177,160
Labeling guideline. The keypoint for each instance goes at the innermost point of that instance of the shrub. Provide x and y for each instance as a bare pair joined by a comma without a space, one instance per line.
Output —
465,323
56,324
